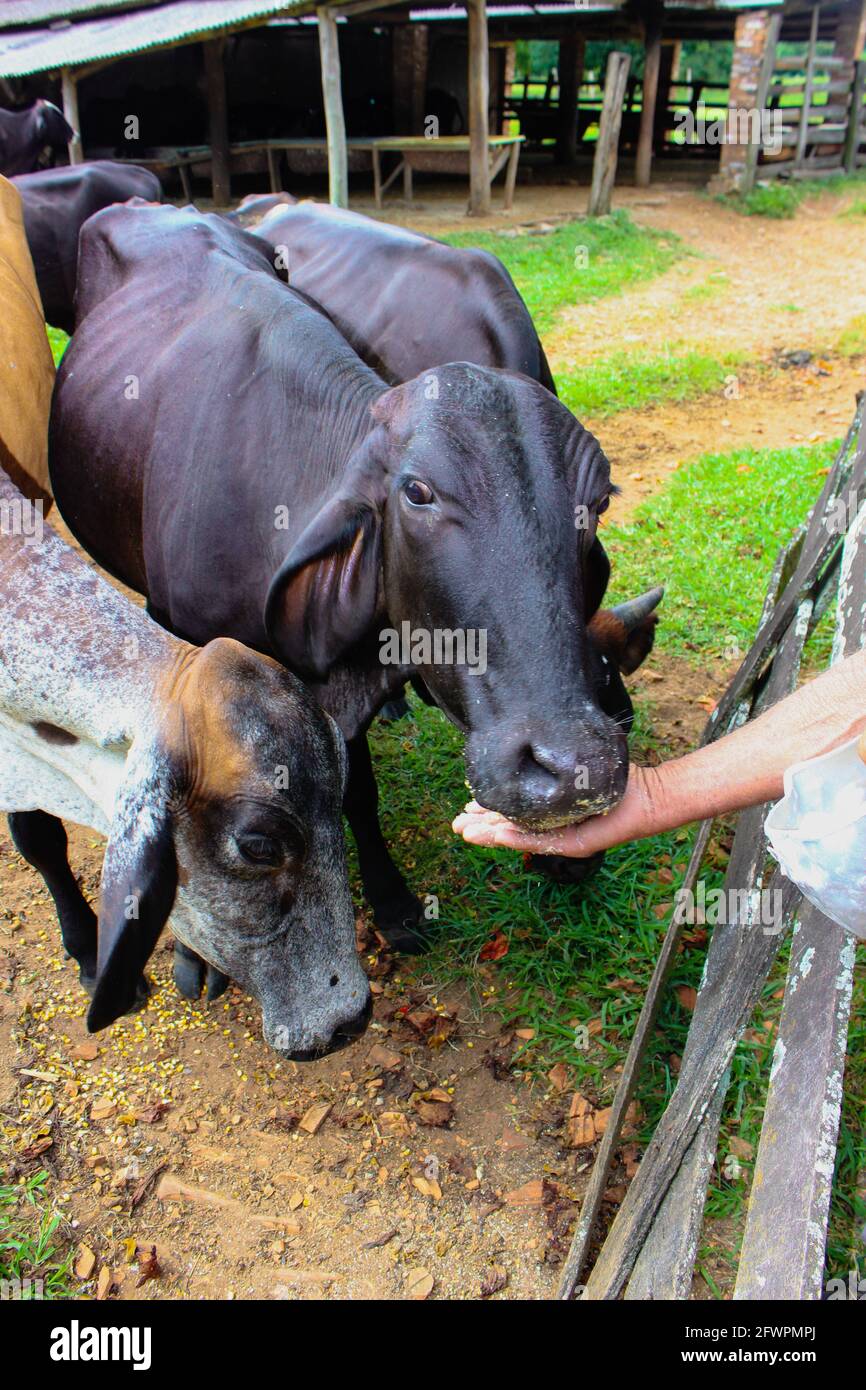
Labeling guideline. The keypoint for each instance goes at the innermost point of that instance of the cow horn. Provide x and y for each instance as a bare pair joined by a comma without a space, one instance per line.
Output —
634,610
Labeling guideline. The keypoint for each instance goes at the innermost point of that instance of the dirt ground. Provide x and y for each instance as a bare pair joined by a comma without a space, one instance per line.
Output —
421,1162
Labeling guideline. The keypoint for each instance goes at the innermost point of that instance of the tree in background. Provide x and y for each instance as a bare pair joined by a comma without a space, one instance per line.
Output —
708,60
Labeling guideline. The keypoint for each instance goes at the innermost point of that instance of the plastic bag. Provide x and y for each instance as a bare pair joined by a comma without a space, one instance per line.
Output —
818,834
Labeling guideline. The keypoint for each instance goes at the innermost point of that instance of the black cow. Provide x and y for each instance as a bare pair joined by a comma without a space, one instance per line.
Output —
218,445
57,203
404,301
26,136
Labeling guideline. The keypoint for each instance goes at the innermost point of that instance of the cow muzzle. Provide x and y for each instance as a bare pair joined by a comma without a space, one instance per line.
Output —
311,1045
546,774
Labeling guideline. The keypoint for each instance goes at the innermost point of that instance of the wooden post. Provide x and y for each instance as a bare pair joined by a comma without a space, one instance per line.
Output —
853,135
69,88
652,64
571,51
479,85
335,121
218,123
803,129
606,150
765,77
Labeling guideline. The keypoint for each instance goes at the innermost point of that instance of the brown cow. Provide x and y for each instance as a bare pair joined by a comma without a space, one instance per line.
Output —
26,366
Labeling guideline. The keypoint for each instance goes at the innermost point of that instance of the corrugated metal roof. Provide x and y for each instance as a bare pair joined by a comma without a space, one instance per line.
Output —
18,12
26,51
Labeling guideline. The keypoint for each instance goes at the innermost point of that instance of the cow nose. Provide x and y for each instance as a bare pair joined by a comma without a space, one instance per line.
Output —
353,1027
549,774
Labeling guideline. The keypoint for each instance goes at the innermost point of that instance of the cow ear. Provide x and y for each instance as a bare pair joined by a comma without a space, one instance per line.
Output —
328,590
625,634
139,883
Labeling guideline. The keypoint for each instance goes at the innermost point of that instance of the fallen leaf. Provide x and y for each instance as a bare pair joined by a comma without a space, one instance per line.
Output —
104,1283
495,948
687,995
152,1114
86,1051
428,1187
102,1109
494,1281
148,1267
559,1077
433,1108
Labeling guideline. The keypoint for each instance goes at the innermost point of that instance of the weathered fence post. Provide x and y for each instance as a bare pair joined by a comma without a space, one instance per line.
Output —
604,163
855,132
335,123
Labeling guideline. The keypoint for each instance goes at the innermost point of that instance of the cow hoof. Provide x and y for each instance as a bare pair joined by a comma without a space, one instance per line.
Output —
217,984
394,710
189,972
563,870
404,931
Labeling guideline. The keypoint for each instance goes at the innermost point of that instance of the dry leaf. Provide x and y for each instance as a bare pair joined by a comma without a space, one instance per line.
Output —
687,995
494,1281
559,1077
104,1283
148,1267
495,948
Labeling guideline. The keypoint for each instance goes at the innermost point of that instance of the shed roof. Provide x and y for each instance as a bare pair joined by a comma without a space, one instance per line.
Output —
96,40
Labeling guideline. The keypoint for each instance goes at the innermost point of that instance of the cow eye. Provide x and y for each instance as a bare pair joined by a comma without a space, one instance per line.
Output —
417,493
261,849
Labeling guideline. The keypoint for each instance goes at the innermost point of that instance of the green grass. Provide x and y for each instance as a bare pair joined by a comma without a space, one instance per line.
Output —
711,536
711,288
781,199
58,341
578,262
777,200
628,380
852,341
31,1247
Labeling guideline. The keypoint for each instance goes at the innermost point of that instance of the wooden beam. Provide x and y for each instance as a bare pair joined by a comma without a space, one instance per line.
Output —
69,88
479,98
652,65
218,121
607,147
335,121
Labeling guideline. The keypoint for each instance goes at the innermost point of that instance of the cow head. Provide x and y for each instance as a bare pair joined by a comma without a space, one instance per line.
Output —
229,819
52,128
463,535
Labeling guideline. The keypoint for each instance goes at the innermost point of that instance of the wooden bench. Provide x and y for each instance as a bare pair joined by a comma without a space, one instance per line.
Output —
651,1247
444,154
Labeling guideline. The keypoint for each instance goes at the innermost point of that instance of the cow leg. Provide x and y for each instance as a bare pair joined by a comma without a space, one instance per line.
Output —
396,910
41,840
192,975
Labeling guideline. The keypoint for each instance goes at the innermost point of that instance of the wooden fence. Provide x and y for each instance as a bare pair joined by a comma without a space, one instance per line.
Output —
651,1247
